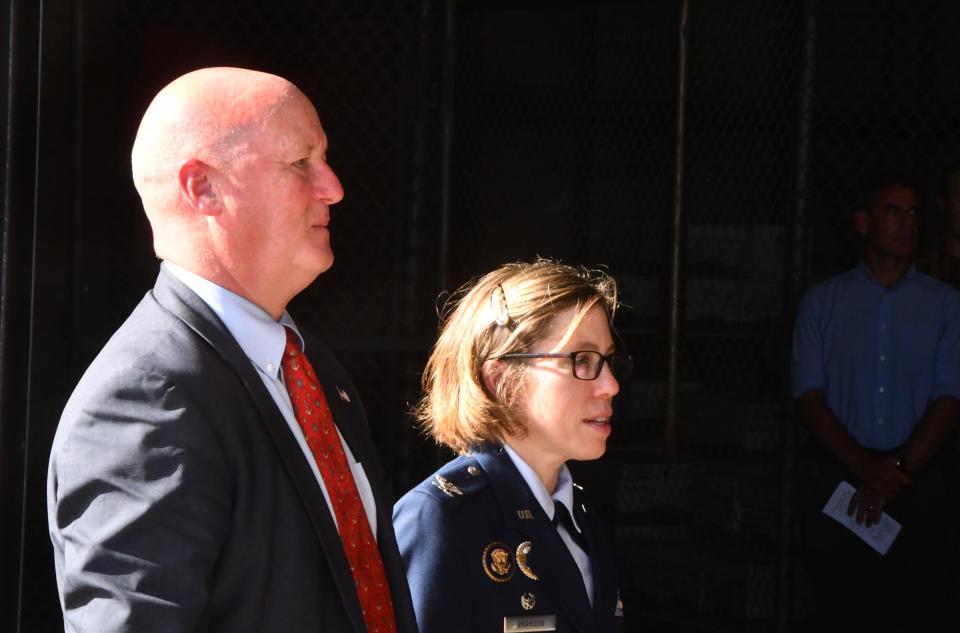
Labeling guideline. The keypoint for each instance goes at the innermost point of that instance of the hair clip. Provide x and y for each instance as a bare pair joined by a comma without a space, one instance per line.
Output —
498,305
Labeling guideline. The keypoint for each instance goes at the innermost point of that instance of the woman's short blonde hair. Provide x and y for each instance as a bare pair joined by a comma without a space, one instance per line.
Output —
505,311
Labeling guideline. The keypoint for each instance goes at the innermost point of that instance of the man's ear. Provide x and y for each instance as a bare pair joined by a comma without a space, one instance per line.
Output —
861,220
197,187
491,371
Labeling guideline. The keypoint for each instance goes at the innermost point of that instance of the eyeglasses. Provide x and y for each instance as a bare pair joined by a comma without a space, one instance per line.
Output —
586,365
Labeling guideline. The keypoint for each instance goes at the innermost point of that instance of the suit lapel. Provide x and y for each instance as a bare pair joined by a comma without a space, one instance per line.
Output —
349,416
550,558
175,296
343,400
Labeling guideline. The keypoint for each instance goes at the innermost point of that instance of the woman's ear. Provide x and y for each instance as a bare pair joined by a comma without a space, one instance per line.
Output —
491,371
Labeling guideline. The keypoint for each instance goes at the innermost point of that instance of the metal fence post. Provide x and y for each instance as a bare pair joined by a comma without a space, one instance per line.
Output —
673,337
449,86
795,273
21,111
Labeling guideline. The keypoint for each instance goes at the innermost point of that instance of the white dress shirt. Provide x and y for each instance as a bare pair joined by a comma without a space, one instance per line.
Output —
262,339
564,494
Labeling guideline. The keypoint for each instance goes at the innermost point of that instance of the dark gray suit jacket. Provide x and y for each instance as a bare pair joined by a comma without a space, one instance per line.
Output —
179,500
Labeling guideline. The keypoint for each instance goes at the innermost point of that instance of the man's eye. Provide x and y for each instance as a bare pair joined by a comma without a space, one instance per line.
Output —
302,162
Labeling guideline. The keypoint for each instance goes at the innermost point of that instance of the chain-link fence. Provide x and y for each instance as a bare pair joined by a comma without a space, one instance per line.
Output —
371,69
563,129
564,146
884,98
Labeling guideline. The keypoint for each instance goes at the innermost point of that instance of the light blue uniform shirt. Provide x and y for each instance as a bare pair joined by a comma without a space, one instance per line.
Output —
881,355
564,494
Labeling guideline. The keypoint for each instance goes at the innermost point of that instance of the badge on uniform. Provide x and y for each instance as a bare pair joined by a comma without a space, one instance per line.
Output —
528,601
496,562
445,486
529,623
523,556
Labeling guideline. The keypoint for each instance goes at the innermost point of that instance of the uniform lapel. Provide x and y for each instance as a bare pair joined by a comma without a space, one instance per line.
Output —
550,558
601,563
173,295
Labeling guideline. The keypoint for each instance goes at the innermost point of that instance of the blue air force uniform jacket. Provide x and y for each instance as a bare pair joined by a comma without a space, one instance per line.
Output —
481,555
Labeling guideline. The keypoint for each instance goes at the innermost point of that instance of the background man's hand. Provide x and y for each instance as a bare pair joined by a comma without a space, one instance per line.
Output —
882,476
867,504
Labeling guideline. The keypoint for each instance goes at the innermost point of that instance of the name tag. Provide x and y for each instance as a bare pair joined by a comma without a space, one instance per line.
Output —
524,623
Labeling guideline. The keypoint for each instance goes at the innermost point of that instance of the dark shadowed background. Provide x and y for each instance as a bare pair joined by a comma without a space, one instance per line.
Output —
472,133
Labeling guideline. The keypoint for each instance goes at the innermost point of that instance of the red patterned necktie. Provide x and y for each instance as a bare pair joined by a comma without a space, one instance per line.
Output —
316,421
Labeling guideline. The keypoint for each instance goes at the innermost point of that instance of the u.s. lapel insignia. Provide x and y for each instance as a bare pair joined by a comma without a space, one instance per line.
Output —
343,394
446,486
523,555
496,562
525,514
528,601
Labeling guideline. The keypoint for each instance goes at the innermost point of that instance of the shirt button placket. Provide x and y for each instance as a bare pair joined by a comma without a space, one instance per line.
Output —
882,372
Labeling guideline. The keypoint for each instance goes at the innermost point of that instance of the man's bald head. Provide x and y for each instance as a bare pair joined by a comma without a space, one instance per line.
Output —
231,165
203,115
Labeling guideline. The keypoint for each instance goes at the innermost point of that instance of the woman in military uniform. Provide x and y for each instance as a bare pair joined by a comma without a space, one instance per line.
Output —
521,379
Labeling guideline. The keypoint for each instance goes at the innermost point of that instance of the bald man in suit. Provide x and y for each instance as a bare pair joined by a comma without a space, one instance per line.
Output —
188,488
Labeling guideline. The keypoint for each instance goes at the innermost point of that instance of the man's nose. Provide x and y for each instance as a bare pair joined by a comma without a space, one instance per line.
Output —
327,187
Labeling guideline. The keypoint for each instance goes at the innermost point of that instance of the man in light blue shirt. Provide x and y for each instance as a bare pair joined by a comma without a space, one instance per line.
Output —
876,376
879,355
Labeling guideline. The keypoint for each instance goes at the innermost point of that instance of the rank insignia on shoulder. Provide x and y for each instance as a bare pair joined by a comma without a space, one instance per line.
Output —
496,562
525,514
343,394
523,556
445,486
528,601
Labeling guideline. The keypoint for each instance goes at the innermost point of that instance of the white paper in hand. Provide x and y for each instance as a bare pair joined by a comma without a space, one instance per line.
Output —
879,536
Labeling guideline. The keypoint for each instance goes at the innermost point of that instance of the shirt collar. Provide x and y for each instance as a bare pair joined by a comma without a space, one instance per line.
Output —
909,274
563,492
260,337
